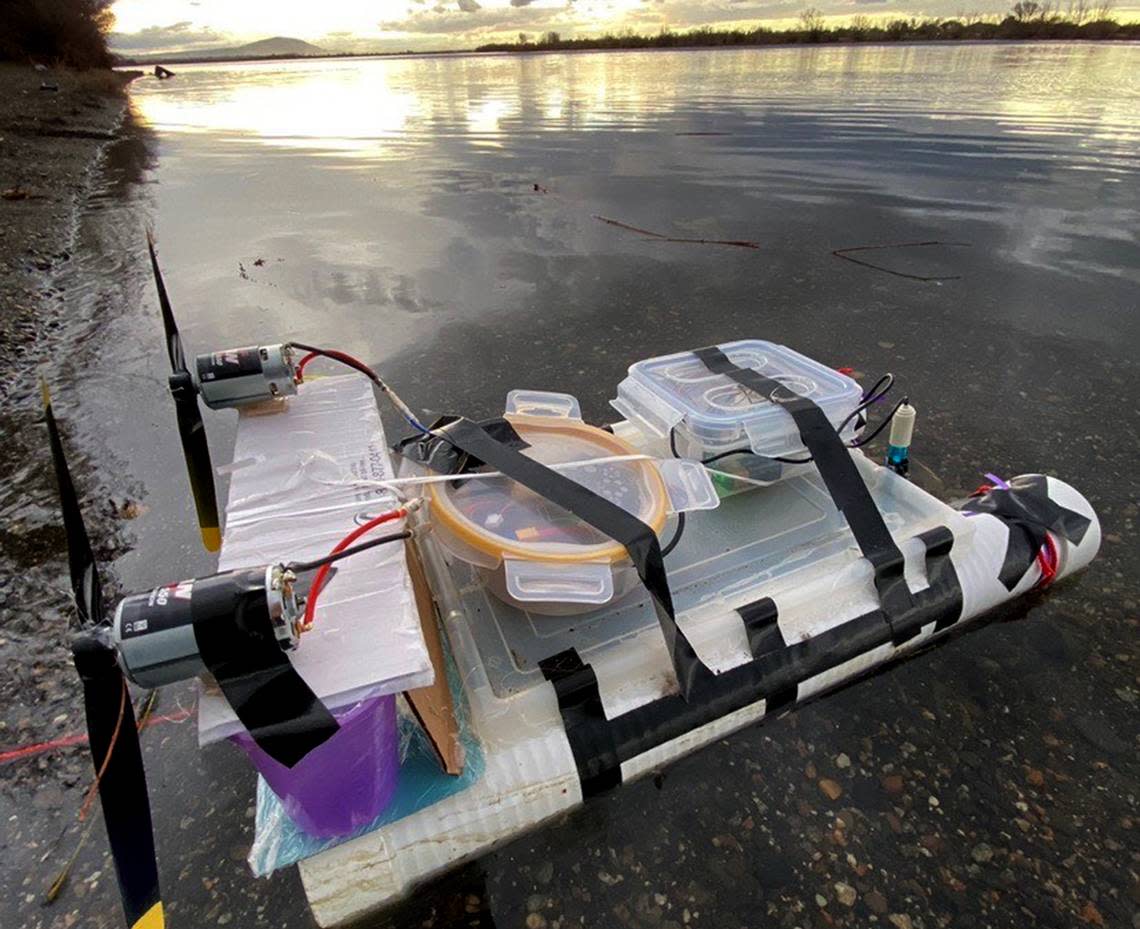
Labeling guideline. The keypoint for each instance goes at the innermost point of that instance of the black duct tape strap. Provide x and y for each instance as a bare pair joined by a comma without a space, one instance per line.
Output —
764,637
840,475
831,457
609,519
235,638
445,458
767,676
1029,512
580,704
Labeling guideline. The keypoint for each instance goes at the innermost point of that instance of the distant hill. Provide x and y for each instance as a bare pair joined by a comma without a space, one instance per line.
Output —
276,47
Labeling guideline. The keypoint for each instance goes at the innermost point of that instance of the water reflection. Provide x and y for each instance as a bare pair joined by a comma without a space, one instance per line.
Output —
385,107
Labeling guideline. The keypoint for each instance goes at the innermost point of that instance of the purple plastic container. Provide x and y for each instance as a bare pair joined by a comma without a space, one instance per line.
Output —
347,781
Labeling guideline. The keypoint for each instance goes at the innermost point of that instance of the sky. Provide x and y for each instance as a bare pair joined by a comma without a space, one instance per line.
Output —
180,26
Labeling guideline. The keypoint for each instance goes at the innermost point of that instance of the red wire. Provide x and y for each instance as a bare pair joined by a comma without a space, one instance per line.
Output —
318,582
304,361
80,738
1048,561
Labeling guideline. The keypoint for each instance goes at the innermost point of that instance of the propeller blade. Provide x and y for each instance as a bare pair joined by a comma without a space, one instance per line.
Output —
192,431
173,339
80,556
115,752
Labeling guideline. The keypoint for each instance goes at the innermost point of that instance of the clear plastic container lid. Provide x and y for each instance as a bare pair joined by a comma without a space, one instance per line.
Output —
547,553
713,413
504,517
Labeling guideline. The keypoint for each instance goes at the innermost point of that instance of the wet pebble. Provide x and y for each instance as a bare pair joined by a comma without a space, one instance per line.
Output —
982,853
830,788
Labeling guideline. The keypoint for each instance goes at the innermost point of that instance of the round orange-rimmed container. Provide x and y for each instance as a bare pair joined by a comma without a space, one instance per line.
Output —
533,553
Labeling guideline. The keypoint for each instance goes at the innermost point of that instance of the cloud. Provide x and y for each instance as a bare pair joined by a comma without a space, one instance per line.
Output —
180,36
470,6
481,25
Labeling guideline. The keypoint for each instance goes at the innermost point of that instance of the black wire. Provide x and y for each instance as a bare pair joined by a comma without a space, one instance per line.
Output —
298,566
748,451
672,544
870,397
878,390
859,443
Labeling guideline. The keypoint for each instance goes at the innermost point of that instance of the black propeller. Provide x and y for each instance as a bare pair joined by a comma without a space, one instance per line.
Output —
191,429
111,728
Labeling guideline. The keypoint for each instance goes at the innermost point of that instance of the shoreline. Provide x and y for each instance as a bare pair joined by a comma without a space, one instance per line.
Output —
54,139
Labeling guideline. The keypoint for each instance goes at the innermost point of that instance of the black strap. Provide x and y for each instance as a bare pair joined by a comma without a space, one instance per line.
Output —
609,519
601,745
580,704
764,637
830,455
840,475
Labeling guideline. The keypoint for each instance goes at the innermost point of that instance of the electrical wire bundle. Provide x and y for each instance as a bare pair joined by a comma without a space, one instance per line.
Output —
874,395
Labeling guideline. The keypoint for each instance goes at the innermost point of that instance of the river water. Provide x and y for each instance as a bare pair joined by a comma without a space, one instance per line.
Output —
442,217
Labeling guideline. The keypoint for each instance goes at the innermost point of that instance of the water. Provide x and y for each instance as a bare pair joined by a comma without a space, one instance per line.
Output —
388,207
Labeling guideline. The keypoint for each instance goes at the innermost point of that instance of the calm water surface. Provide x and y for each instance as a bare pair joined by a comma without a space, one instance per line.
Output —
389,207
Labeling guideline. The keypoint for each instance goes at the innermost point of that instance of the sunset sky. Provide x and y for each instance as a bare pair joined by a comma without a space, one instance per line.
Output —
169,26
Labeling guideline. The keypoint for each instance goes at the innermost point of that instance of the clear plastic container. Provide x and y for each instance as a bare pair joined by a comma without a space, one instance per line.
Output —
532,552
710,414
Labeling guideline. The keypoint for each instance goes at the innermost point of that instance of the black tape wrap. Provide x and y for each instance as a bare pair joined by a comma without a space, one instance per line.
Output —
235,638
446,458
1027,509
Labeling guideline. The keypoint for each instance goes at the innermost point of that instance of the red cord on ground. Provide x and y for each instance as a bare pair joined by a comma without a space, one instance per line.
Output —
80,738
318,581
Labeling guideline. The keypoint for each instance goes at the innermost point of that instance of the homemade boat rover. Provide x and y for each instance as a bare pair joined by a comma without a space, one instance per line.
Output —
577,651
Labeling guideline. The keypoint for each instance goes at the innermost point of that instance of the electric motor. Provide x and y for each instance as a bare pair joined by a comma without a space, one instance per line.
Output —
239,376
155,631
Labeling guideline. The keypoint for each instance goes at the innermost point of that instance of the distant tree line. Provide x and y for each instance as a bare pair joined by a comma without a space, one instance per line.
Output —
1027,19
56,32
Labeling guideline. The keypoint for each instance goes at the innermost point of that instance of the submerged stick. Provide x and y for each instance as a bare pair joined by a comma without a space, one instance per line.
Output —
661,237
844,253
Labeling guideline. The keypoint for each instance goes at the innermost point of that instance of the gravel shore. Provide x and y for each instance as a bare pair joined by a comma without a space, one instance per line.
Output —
52,125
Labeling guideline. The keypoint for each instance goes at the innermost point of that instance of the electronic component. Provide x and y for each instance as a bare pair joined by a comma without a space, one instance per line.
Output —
902,431
240,376
154,631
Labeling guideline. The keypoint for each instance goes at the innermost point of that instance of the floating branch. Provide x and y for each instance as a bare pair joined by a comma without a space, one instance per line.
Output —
845,254
734,243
